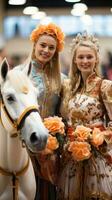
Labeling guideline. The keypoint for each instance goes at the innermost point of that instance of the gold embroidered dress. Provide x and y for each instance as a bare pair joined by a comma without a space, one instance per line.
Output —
90,178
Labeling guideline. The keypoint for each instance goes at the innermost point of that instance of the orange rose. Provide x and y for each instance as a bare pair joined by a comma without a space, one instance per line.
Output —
97,137
80,150
54,125
52,144
82,133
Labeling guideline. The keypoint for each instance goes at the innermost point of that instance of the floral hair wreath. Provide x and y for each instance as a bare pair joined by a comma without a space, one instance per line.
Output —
52,30
85,37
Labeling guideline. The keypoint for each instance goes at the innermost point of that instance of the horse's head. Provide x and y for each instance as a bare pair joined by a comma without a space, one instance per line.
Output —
19,107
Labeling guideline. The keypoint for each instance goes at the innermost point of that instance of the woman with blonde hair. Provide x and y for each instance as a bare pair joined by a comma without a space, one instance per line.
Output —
48,42
86,159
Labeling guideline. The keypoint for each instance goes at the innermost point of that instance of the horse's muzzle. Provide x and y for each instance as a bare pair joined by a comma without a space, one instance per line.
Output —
38,142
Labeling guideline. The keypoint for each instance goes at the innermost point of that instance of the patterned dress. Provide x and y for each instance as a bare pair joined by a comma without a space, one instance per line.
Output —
89,179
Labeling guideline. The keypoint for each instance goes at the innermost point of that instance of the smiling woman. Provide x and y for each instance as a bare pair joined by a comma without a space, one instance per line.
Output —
48,41
45,48
85,59
86,159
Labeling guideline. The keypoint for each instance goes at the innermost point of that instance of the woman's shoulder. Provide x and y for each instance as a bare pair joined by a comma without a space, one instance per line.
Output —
106,84
106,88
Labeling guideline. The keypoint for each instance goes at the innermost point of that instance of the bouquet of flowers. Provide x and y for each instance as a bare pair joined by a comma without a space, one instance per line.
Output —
83,140
56,132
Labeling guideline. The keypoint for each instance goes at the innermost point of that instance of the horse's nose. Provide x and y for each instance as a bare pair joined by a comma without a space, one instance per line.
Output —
40,142
33,138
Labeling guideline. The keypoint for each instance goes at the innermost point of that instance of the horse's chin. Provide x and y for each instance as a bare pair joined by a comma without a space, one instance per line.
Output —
35,149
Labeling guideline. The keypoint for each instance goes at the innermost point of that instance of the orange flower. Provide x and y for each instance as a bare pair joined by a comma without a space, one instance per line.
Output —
82,133
80,150
52,144
97,137
54,125
52,30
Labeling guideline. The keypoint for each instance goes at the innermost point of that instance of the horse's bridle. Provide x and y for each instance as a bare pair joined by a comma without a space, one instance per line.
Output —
17,124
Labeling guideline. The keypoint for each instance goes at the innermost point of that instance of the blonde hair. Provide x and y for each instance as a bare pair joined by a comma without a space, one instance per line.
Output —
87,40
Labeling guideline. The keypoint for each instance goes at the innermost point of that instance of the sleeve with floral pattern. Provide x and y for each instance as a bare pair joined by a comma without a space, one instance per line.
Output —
106,92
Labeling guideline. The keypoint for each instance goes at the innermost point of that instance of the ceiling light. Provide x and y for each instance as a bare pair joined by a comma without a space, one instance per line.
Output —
72,1
80,6
77,13
30,10
39,15
17,2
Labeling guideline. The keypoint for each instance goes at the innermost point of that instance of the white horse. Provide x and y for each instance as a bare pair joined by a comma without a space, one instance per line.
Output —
20,120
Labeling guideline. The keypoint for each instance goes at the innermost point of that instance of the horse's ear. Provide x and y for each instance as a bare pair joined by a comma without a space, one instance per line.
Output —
4,67
27,69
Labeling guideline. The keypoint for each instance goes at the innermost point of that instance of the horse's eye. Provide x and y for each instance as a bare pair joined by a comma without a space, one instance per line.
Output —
10,98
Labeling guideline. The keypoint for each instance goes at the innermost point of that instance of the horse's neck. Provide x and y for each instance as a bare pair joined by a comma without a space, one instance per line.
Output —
12,155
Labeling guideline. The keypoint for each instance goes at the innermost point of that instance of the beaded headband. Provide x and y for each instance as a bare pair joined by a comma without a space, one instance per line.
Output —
84,37
50,29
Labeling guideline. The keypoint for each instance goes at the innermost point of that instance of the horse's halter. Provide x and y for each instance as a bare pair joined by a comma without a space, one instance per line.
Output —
15,125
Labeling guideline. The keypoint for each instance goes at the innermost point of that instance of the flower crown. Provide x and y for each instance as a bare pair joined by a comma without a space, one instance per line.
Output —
85,37
50,29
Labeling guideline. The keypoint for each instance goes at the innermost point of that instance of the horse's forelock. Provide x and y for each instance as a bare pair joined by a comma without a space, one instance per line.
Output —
19,80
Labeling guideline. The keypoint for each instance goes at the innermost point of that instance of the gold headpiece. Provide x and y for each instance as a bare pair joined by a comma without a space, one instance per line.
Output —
84,37
52,30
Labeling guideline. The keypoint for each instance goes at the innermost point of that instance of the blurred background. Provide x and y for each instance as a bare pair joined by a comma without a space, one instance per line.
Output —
19,17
